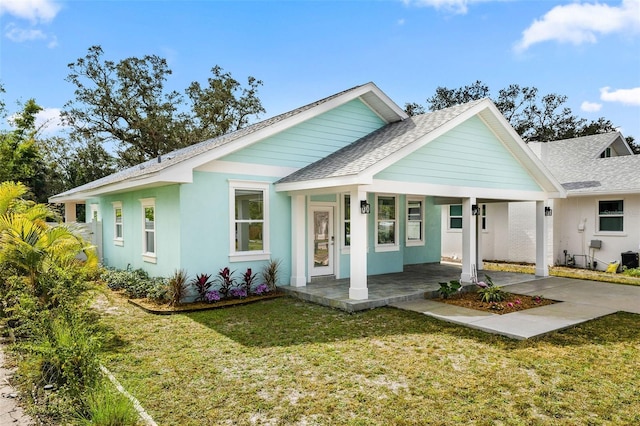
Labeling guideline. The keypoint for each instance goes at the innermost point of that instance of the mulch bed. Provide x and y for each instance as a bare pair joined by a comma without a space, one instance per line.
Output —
514,302
164,309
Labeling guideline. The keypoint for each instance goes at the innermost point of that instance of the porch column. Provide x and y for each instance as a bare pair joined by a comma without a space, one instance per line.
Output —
542,269
70,212
358,249
298,249
469,227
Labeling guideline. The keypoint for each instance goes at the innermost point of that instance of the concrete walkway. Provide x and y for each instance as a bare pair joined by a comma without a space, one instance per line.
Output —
581,301
10,412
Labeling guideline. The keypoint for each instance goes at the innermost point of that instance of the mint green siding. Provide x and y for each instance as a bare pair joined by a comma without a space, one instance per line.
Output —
167,224
469,155
394,261
314,139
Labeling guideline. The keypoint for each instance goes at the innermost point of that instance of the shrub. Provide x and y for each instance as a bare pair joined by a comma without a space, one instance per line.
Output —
449,289
247,280
226,281
177,287
213,296
492,293
238,293
202,283
632,272
270,274
261,289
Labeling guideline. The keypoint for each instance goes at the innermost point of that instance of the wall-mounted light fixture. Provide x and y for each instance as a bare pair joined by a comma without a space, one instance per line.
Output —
365,208
475,210
548,211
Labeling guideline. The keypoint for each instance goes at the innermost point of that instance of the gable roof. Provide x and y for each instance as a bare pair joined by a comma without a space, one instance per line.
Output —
576,163
358,162
177,166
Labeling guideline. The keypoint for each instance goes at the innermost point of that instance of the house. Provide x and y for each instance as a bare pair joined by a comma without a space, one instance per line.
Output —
597,222
348,186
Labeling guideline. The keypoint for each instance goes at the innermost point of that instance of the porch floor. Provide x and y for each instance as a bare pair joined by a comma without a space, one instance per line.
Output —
413,283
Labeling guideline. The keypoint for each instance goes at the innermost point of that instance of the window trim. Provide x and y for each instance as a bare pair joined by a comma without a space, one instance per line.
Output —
118,241
147,256
245,256
449,217
345,200
421,241
387,247
599,216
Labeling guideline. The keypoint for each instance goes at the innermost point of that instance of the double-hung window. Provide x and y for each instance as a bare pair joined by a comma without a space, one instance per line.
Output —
249,213
455,216
611,216
148,229
118,224
386,223
415,221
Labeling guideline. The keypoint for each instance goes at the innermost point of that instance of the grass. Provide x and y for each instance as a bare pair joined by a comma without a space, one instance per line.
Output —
288,362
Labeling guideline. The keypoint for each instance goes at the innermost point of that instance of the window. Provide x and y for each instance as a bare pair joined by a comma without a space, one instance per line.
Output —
606,153
484,217
148,229
118,230
346,238
455,216
415,221
249,227
386,222
611,216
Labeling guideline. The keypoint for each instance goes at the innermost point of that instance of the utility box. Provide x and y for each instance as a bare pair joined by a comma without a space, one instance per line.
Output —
595,244
630,259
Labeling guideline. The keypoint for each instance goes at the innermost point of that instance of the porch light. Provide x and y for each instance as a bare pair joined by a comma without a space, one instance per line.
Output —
548,211
365,208
475,210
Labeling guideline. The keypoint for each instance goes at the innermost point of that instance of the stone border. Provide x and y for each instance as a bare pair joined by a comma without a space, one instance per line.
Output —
185,308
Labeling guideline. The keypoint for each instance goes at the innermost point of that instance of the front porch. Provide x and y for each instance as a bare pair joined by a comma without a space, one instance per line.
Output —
412,283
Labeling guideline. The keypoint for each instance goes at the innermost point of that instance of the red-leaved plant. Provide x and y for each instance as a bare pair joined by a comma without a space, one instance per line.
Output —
202,283
226,281
247,280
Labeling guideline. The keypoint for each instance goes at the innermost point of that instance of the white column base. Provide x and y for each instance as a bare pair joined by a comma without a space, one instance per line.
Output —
298,281
358,293
465,277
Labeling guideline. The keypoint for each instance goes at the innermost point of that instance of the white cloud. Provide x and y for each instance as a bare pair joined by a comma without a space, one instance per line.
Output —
455,6
590,106
21,35
48,120
625,96
579,23
33,10
400,22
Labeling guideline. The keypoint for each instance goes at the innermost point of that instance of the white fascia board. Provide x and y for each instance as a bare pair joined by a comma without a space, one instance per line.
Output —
603,193
395,187
386,100
217,166
521,152
332,183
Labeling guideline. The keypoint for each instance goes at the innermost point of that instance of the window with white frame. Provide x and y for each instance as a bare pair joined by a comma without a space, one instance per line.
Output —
386,222
249,213
346,217
455,216
415,221
149,229
118,224
611,215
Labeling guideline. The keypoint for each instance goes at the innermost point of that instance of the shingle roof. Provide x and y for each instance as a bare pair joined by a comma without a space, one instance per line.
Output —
180,155
374,147
577,165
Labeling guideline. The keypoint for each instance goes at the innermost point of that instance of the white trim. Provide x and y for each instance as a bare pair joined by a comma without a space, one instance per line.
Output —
395,246
449,217
149,256
421,241
230,167
334,266
598,216
344,248
118,241
249,255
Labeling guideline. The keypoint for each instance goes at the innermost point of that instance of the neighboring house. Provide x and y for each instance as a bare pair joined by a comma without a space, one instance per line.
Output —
597,222
347,186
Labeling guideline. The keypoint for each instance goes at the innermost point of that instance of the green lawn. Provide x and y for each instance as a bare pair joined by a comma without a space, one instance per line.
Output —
288,362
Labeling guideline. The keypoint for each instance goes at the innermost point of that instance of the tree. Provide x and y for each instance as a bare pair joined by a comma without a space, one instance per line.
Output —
533,117
126,103
20,156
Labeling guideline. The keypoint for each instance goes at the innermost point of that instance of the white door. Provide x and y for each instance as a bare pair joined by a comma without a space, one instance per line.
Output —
322,239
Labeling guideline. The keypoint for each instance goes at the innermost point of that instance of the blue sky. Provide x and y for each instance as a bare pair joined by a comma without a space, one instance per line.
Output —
306,50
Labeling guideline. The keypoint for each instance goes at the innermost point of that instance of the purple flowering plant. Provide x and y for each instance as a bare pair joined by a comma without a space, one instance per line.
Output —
239,293
213,296
261,289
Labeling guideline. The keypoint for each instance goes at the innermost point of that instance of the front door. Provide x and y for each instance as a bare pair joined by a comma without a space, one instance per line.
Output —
322,250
